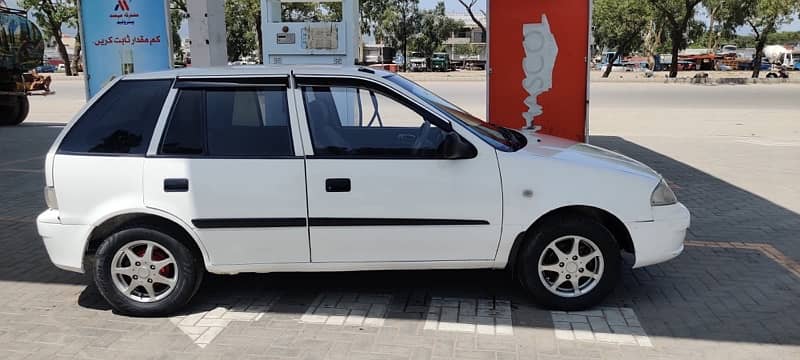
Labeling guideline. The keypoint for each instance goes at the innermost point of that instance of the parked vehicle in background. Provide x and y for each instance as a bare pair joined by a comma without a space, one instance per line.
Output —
323,168
377,54
418,62
21,50
62,68
440,62
46,68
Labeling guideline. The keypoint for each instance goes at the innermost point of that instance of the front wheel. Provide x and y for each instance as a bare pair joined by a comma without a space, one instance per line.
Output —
144,272
570,265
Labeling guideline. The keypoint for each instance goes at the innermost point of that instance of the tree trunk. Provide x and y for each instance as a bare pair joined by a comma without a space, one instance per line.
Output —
260,40
62,50
676,46
76,61
712,33
474,18
611,62
762,42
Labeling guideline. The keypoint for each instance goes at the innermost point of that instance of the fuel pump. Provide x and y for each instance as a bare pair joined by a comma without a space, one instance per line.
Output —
310,31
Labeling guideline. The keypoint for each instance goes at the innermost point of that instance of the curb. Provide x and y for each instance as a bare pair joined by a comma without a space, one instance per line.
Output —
730,81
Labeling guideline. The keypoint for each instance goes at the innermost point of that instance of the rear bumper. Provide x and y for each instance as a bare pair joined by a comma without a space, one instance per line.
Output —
662,239
65,244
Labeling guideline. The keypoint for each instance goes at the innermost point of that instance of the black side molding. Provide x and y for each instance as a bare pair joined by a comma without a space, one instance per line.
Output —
326,222
248,223
392,222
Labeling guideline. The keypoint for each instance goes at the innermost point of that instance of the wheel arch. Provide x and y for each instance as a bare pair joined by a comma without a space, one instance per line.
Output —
607,219
162,222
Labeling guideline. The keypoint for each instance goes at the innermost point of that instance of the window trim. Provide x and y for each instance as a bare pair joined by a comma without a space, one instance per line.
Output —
91,104
204,127
305,81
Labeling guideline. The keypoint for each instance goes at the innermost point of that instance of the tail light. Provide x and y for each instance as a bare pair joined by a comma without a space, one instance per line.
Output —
50,197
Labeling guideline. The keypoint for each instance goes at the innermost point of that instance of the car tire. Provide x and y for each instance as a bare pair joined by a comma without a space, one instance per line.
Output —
23,110
15,109
549,274
137,285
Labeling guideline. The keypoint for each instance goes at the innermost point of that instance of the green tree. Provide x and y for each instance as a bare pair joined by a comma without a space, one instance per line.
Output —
678,15
434,28
764,18
177,14
51,15
724,16
620,25
371,15
398,22
242,38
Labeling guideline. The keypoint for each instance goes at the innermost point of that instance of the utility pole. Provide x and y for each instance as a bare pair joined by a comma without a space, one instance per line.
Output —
207,31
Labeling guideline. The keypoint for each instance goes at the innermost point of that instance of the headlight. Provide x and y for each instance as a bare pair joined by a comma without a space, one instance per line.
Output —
663,195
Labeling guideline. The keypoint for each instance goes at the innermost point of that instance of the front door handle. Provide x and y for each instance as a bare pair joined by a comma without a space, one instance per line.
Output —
337,185
176,185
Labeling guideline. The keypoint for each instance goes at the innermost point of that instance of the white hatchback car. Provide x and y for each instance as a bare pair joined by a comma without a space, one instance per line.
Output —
164,176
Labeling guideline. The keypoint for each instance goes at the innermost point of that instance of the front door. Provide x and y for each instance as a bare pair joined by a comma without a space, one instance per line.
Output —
227,164
379,187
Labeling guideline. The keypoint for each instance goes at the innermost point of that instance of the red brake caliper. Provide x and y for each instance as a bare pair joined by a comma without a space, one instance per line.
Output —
165,271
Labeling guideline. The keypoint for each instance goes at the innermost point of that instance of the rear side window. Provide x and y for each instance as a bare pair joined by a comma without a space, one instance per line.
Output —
121,121
232,122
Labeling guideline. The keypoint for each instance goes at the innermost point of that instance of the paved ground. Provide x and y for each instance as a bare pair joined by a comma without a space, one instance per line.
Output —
732,153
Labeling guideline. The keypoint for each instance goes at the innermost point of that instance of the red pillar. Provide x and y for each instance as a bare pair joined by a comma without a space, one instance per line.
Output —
564,105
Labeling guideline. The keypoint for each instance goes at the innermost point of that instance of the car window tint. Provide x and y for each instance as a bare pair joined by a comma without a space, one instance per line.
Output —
248,122
184,134
121,121
352,121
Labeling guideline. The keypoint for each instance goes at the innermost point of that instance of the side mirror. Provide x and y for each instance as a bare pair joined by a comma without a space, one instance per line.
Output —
454,147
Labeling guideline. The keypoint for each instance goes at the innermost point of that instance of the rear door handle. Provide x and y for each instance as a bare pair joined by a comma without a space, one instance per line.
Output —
176,185
337,185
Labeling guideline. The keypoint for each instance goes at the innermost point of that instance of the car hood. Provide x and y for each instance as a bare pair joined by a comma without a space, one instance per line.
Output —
584,154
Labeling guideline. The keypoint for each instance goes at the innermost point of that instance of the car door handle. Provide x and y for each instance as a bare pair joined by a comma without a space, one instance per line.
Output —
337,185
176,185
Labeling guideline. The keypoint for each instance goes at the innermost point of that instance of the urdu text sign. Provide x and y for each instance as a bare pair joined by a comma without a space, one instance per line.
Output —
121,37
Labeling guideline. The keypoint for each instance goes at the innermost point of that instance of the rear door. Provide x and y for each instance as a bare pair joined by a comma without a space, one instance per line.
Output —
228,164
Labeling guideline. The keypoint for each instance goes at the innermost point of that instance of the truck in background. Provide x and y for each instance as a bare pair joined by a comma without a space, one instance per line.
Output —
21,50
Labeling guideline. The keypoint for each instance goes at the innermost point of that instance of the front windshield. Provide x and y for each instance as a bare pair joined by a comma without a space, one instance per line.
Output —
501,138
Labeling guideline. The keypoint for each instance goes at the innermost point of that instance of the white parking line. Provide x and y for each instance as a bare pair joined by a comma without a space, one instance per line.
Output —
481,316
203,327
616,325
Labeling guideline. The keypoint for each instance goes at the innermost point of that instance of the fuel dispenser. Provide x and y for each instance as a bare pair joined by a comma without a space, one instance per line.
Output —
310,31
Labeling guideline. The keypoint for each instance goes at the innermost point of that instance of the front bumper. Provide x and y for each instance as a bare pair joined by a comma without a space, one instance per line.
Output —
65,244
661,239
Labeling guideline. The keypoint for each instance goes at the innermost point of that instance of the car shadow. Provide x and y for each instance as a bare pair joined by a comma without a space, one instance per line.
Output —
733,294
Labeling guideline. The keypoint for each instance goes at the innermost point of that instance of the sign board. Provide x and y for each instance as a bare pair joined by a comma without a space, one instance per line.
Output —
538,65
121,37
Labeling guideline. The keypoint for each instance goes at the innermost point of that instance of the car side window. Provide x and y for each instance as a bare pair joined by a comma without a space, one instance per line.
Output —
121,121
361,122
229,122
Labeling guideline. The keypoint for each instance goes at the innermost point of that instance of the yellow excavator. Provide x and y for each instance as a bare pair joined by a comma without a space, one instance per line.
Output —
21,50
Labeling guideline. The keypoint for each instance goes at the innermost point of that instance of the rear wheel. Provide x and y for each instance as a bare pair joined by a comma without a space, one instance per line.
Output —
144,272
570,265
